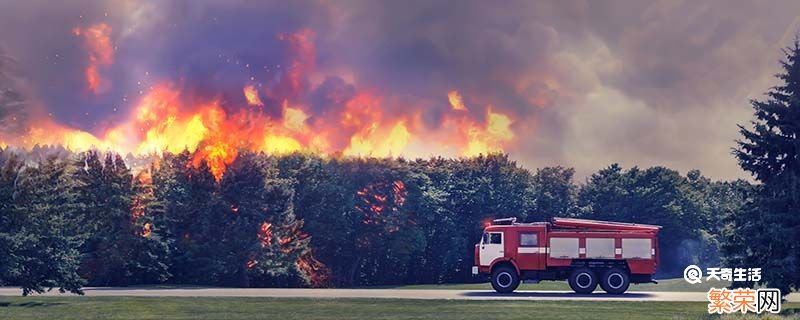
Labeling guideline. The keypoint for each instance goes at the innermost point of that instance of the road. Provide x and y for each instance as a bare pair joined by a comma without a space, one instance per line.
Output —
380,293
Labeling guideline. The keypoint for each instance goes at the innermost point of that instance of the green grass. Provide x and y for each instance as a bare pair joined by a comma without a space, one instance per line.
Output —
64,308
677,284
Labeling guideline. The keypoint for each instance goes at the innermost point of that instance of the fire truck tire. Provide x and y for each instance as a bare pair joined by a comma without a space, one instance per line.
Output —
505,279
615,281
583,280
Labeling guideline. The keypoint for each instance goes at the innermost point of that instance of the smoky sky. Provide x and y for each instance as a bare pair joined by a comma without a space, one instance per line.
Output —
587,83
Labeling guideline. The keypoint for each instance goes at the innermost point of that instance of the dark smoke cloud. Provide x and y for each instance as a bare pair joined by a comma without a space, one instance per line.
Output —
586,82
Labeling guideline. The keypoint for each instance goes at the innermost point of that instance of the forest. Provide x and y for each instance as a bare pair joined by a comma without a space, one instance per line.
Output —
75,219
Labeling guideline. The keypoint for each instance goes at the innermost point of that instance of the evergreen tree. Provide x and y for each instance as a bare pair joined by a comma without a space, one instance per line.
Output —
117,215
150,249
261,236
193,215
322,203
39,251
770,151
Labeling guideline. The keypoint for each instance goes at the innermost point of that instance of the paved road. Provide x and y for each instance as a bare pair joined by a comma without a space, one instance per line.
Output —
382,293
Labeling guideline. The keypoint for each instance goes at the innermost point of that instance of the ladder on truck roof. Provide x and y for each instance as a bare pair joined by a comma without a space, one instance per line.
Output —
605,225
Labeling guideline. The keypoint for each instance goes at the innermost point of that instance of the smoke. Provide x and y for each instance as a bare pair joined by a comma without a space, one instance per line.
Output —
581,83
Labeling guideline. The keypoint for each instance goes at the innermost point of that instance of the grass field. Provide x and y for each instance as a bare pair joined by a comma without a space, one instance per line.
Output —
677,284
287,308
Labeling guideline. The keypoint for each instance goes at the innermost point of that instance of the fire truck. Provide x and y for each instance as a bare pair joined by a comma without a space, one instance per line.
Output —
583,252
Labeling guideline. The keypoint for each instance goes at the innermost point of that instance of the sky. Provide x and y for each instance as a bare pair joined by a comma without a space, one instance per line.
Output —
583,83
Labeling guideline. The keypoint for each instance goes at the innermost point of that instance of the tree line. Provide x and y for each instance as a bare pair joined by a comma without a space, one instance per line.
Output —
75,219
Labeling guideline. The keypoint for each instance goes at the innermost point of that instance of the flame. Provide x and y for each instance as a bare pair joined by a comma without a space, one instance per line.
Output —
147,229
163,121
318,274
167,118
251,94
483,140
377,207
456,102
373,142
265,234
302,51
97,42
294,119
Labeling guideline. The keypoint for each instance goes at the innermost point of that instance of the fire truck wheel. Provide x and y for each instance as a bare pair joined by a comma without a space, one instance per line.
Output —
615,281
583,280
505,279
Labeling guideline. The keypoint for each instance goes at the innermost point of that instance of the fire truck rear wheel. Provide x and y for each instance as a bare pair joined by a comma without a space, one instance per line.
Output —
583,280
615,281
505,279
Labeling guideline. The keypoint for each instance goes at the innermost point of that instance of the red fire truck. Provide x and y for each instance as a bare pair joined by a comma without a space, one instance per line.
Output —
583,252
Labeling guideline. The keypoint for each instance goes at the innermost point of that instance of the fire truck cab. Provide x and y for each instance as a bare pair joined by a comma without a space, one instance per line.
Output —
583,252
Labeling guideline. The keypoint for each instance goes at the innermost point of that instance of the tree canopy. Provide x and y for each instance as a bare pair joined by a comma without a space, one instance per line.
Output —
306,220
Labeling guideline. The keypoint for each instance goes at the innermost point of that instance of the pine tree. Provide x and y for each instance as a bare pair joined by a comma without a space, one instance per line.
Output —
770,151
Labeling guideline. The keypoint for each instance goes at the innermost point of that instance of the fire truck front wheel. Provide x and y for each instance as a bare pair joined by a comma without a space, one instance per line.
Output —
505,279
615,281
583,280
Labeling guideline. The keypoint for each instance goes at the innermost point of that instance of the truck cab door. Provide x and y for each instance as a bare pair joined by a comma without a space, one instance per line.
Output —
491,247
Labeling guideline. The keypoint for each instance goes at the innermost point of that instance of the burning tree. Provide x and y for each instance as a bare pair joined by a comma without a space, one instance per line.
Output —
261,237
193,213
124,244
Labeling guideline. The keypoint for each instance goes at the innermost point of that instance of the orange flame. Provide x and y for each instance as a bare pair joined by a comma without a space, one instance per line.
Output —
97,41
318,274
483,140
265,234
251,94
167,119
147,229
456,102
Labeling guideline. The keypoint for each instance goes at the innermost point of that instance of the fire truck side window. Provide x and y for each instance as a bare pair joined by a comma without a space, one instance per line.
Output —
496,238
485,238
528,239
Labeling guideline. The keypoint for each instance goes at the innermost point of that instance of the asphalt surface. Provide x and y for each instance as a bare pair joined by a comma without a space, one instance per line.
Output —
379,293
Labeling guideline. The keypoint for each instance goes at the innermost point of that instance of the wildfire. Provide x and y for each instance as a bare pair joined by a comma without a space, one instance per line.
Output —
456,102
489,138
380,200
97,41
251,94
274,120
163,121
147,229
265,234
318,273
